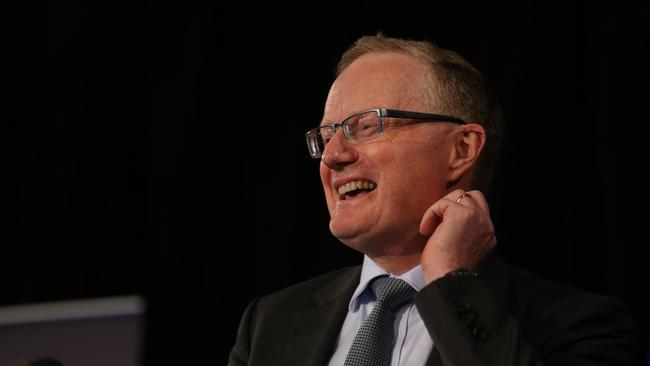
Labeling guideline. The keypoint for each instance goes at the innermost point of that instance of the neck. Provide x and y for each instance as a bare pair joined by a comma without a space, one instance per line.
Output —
397,264
395,256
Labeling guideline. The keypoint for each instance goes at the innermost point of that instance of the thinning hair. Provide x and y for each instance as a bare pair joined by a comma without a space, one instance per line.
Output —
454,87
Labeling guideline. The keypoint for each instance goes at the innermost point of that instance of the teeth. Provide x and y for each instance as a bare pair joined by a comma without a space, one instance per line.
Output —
354,185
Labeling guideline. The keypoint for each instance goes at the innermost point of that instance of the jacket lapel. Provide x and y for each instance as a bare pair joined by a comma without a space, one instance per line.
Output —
315,330
434,357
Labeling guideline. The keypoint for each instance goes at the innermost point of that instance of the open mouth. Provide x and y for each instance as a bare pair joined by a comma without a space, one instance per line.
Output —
355,188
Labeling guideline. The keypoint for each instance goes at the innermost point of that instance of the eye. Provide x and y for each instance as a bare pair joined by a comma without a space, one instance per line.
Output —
367,125
326,134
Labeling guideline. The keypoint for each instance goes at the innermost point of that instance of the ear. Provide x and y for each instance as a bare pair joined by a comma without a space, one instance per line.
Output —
469,141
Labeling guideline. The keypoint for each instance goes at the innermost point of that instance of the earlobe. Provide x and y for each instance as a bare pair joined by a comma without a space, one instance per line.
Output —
469,141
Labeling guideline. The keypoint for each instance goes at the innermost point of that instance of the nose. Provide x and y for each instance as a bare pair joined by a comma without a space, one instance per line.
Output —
338,152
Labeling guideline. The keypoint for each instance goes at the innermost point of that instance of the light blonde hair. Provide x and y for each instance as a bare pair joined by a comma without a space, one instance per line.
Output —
456,88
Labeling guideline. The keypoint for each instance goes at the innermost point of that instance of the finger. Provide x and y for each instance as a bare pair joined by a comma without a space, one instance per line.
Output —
433,215
460,198
455,195
430,220
479,199
465,199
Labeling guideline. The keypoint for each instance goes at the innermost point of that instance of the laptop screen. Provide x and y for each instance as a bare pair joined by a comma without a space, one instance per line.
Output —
97,332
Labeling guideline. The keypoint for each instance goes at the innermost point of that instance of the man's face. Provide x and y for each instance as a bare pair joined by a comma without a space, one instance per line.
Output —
407,165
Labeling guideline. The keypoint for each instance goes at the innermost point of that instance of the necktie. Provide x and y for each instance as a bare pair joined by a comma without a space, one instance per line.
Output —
373,344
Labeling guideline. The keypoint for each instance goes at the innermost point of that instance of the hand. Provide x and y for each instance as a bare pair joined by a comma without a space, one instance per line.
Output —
461,234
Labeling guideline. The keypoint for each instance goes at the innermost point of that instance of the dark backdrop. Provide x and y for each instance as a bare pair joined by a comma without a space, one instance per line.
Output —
160,150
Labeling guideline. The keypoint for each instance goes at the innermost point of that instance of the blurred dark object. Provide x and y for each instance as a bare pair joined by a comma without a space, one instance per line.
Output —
45,362
97,332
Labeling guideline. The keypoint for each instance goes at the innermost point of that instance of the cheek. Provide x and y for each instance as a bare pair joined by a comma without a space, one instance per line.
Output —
419,176
325,176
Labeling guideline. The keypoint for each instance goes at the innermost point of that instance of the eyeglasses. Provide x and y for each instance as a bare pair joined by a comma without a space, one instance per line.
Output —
365,126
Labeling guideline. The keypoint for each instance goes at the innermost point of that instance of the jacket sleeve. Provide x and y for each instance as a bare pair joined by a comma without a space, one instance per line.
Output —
240,352
470,326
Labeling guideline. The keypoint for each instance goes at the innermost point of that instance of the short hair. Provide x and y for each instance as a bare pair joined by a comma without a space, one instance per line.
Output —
457,88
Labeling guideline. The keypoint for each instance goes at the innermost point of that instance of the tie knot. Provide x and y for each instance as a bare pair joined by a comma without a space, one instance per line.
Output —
392,292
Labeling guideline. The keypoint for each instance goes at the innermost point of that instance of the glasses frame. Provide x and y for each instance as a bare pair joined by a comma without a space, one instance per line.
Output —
312,142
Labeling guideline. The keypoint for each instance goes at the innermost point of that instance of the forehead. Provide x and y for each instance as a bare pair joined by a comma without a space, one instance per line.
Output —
386,80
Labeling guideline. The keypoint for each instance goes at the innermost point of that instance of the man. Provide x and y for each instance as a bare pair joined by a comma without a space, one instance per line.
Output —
407,141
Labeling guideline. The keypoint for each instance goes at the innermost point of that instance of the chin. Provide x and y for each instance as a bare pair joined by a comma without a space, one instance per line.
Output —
346,234
341,233
355,238
355,244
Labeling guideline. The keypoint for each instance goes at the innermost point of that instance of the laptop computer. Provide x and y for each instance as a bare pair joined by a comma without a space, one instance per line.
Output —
88,332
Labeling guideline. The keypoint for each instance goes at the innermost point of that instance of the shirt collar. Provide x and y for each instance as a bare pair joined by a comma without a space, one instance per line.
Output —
370,270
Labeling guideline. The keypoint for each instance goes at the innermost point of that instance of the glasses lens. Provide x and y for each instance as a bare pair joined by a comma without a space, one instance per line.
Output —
363,126
360,127
314,143
317,139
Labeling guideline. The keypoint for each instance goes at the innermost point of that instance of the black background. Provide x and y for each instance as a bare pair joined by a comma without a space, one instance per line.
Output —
160,150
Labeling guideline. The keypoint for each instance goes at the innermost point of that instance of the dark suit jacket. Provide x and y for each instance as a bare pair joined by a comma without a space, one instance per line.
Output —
503,316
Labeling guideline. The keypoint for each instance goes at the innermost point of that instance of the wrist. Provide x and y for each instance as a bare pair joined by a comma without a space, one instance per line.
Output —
446,272
460,272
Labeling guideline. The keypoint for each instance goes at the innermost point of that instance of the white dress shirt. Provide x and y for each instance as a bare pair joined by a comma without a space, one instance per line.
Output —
413,343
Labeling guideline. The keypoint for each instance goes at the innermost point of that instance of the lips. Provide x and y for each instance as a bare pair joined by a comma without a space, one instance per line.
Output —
354,188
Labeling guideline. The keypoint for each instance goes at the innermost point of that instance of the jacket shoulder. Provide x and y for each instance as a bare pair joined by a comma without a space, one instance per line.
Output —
320,288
